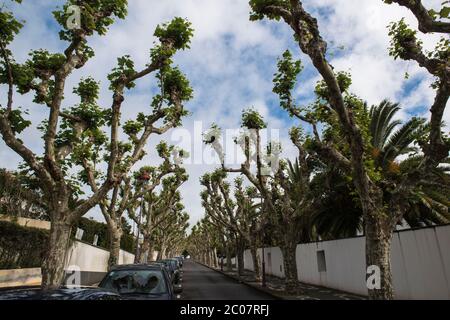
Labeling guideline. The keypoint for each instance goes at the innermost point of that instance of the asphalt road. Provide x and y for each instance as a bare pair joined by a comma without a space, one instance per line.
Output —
202,283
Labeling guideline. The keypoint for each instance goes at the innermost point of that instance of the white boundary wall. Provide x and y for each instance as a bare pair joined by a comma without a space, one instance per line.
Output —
93,259
420,263
90,260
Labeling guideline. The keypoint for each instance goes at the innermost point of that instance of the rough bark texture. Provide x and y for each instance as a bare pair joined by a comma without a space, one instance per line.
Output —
144,251
378,228
216,261
290,268
54,263
115,233
240,247
229,265
256,262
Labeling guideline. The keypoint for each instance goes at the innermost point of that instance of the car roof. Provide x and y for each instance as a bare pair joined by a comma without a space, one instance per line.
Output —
63,293
137,267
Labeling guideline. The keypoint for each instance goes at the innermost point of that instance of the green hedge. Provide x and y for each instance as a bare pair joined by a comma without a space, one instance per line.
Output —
21,247
24,247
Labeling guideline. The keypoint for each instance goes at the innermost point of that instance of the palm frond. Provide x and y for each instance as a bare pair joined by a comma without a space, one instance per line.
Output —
381,116
401,140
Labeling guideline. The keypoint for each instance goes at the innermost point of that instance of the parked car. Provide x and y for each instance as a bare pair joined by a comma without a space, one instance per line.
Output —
180,260
140,282
64,293
175,273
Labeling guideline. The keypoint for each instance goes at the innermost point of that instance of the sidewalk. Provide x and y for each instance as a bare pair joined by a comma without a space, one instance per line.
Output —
275,287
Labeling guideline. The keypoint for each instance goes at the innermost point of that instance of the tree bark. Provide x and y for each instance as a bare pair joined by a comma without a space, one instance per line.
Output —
216,261
256,267
53,272
144,252
378,253
290,267
115,234
228,253
208,257
240,257
162,252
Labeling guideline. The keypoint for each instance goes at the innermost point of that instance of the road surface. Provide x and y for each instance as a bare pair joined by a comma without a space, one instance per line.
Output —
202,283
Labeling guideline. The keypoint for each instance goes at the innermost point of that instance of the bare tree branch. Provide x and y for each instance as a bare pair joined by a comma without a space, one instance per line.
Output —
426,22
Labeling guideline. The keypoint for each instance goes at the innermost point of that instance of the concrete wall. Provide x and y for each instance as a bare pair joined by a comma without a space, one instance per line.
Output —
420,263
92,261
273,259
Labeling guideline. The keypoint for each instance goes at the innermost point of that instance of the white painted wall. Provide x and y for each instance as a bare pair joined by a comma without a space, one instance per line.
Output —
80,257
273,260
93,259
420,263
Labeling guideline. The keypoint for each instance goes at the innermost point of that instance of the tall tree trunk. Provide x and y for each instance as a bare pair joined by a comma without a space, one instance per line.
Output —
228,253
137,251
379,231
379,226
213,261
290,267
255,260
115,235
216,261
144,252
150,252
209,257
53,272
240,246
163,250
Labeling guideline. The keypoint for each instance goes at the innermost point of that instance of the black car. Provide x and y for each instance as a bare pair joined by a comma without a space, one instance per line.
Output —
173,267
180,260
64,293
178,263
140,282
175,273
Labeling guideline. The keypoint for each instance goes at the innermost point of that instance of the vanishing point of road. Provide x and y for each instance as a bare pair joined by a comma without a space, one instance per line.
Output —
202,283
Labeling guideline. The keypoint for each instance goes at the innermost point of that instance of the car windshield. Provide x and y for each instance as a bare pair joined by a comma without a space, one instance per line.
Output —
135,282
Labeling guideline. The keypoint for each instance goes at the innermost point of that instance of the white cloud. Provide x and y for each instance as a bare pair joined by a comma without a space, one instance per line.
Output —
231,62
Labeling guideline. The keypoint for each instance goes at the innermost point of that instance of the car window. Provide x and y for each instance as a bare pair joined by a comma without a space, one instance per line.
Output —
135,282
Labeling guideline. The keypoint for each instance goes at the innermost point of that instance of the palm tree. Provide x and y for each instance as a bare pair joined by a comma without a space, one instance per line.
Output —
427,204
388,143
338,211
339,214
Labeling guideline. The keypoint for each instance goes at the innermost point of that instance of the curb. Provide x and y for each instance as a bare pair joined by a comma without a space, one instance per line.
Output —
259,288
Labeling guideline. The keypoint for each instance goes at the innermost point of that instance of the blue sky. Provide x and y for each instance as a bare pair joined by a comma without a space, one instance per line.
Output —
231,64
